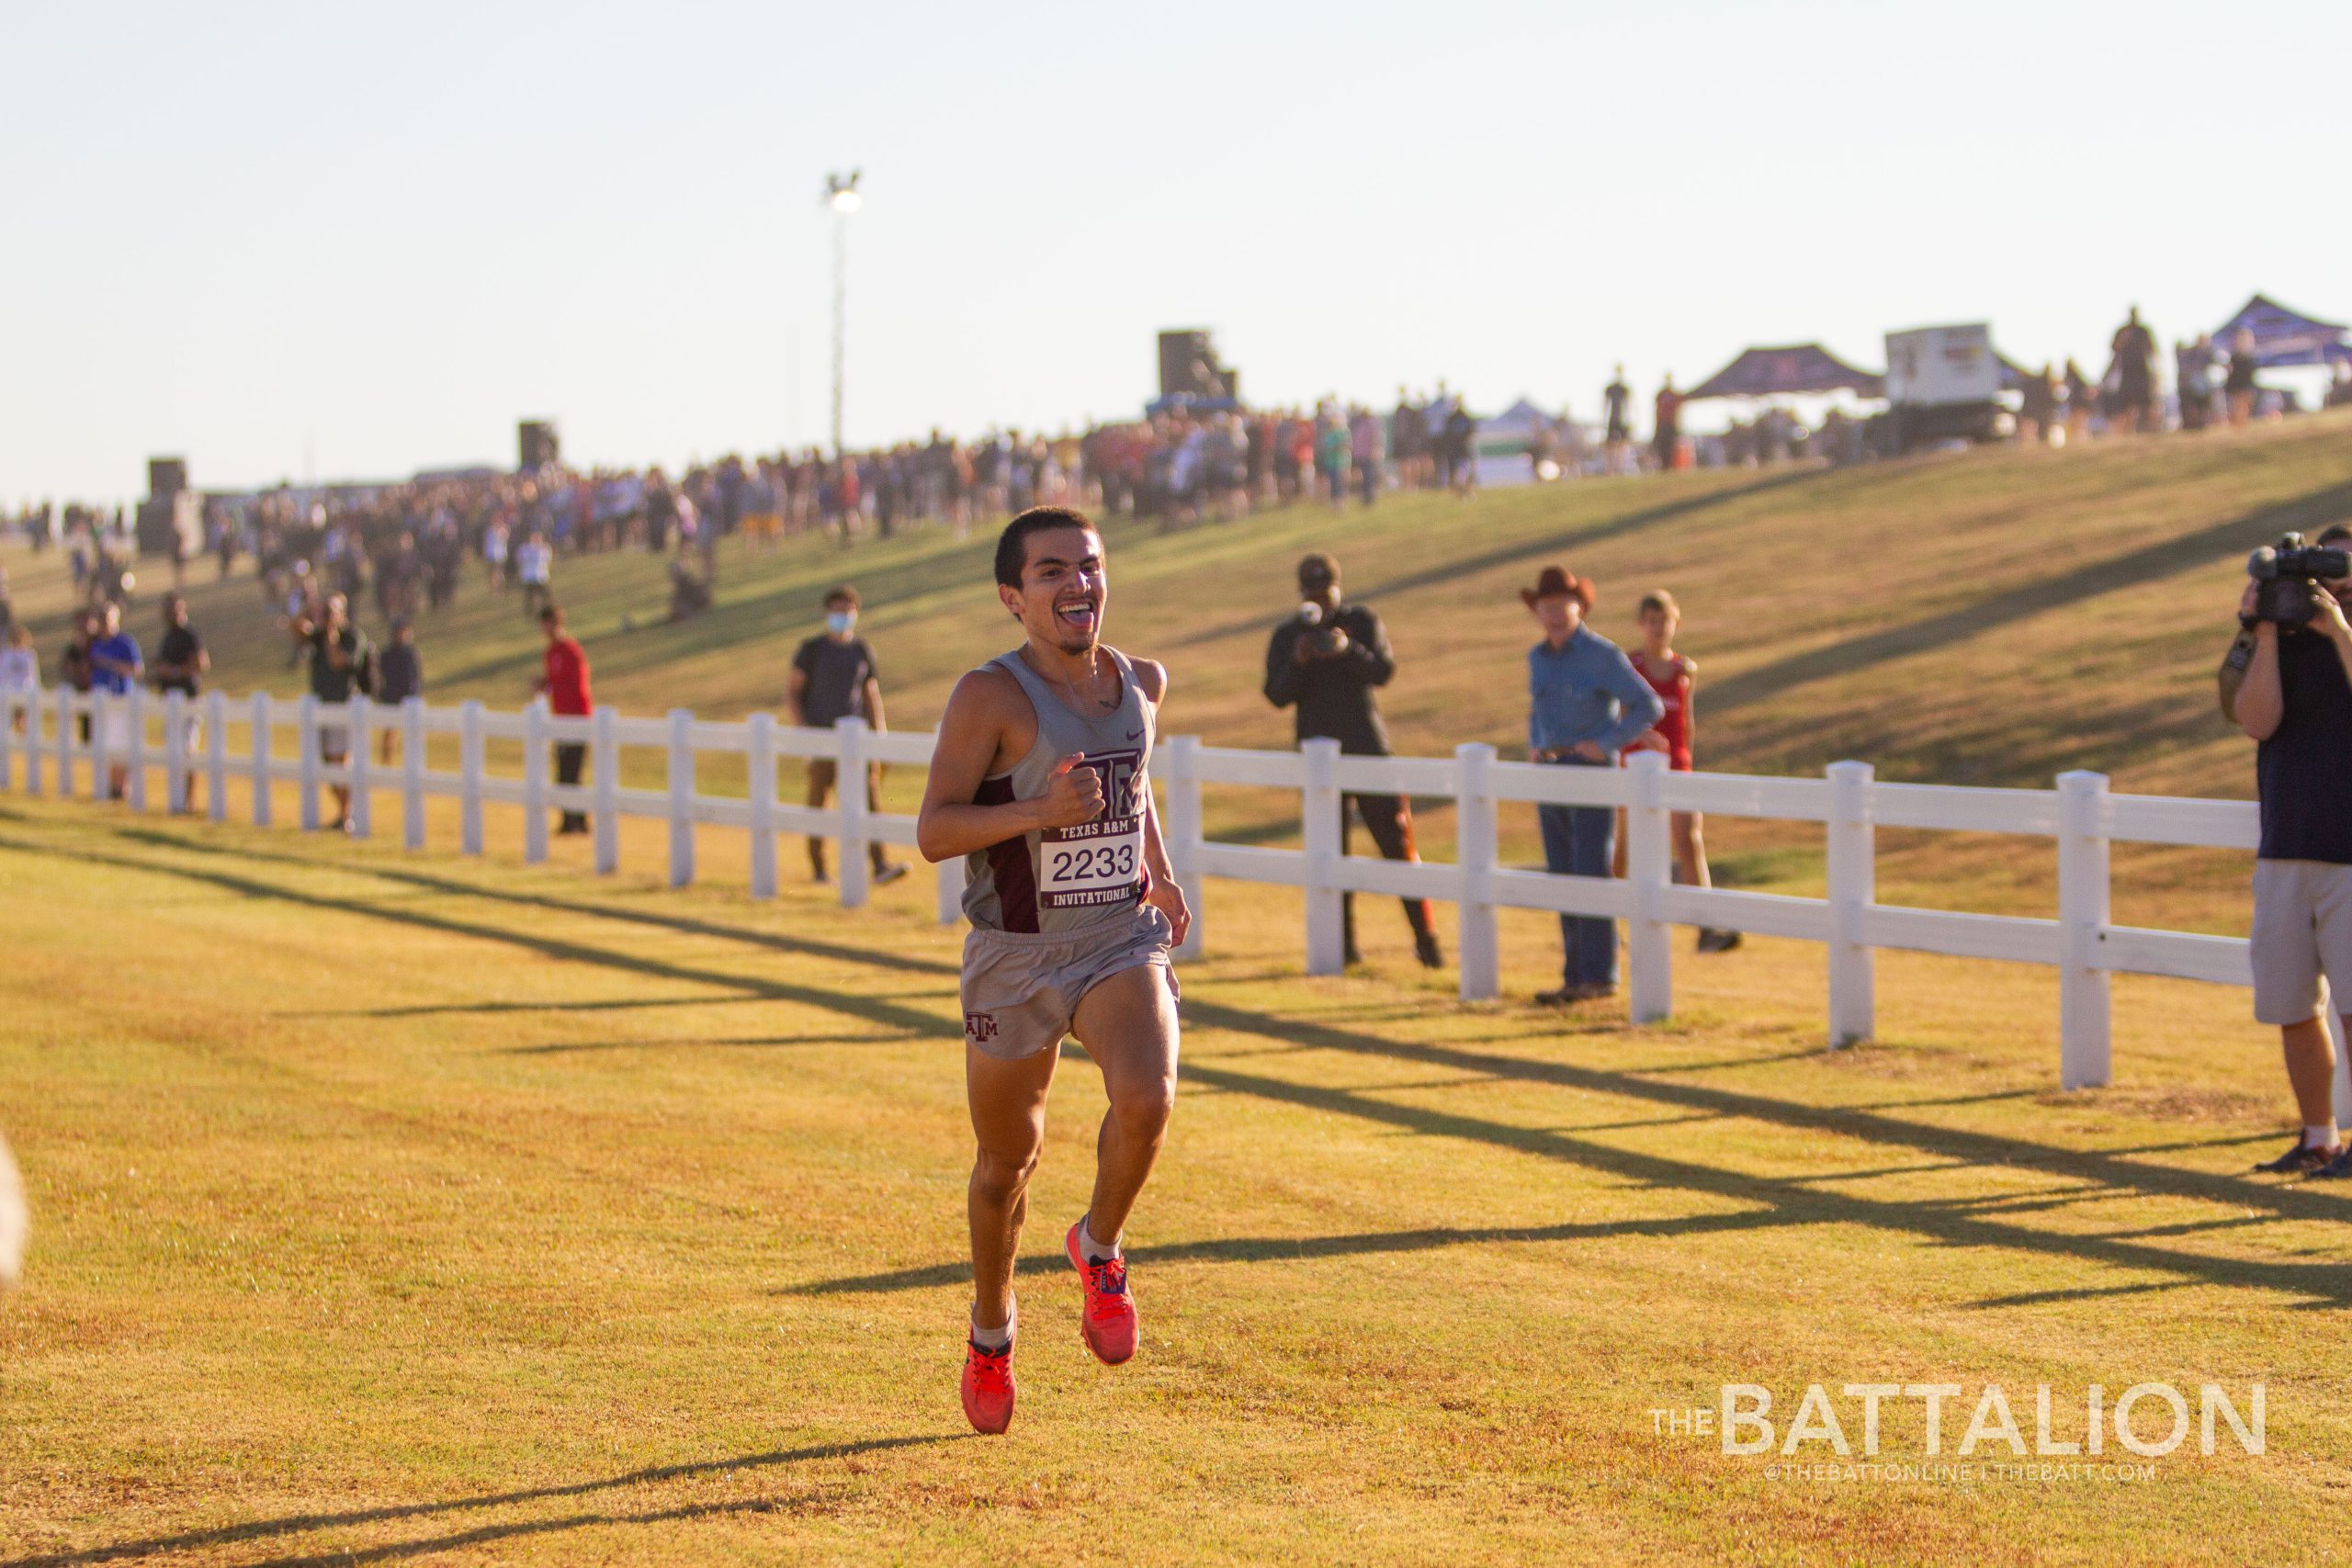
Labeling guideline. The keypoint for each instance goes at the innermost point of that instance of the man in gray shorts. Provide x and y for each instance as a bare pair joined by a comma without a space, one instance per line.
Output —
1040,779
2296,702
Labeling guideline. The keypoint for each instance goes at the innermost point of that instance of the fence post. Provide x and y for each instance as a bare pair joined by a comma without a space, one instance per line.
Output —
101,709
7,740
535,781
65,742
607,824
216,756
1319,808
1182,834
2082,913
2333,1016
33,717
412,772
306,736
134,759
1853,887
1649,866
849,785
1478,941
357,766
470,765
175,751
261,727
682,797
759,767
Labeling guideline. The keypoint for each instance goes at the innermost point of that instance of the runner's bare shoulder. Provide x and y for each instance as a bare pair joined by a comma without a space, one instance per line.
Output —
990,702
1151,680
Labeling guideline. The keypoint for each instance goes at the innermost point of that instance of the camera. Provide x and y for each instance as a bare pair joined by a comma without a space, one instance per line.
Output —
2288,575
1318,634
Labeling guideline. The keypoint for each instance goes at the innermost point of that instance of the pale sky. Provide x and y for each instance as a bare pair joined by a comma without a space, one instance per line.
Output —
251,232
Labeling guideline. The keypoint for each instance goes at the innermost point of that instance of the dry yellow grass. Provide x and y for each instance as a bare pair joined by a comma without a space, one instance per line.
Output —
391,1207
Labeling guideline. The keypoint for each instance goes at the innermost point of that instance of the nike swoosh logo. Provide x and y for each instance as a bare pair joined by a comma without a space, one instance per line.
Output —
1135,733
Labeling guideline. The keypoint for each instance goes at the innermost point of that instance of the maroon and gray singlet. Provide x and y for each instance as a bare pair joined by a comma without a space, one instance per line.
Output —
1057,909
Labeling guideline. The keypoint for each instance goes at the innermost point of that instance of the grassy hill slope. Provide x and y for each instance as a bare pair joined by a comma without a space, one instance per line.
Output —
1993,617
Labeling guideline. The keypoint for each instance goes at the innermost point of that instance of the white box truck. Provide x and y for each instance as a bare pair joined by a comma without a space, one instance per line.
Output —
1944,384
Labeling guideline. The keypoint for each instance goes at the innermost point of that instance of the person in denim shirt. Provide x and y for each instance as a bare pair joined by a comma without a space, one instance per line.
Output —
1586,703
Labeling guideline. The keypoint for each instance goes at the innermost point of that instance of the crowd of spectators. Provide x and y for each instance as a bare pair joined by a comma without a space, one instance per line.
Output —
409,550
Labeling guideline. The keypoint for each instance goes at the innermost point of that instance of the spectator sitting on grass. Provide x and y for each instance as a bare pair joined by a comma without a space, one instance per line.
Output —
689,595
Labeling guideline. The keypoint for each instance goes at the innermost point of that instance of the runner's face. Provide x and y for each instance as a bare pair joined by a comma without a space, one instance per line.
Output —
1658,625
1064,590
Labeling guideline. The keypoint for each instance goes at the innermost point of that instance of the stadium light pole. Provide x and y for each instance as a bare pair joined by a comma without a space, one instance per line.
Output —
840,194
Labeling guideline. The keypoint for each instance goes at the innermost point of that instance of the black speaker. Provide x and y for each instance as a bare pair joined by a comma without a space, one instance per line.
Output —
167,476
536,443
1188,364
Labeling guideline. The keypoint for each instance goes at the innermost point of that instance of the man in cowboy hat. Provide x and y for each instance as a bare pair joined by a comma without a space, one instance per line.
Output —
1586,703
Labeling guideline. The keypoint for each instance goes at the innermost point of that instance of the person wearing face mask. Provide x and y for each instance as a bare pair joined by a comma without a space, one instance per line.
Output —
834,676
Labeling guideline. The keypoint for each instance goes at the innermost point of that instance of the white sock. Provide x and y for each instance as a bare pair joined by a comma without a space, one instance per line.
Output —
996,1338
1091,1249
2320,1138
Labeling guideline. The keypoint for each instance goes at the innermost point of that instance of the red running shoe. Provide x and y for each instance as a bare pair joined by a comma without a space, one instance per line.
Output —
987,1388
1108,1324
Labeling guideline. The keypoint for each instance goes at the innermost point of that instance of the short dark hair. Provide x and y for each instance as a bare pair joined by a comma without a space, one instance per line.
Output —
549,613
2336,534
843,594
1012,545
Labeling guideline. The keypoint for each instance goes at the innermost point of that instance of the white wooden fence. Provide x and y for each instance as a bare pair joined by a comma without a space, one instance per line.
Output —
2081,817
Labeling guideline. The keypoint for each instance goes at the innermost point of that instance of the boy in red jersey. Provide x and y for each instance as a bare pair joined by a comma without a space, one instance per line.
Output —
1673,678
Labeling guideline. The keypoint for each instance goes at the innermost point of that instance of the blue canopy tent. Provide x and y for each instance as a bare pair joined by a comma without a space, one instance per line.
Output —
2284,337
1803,369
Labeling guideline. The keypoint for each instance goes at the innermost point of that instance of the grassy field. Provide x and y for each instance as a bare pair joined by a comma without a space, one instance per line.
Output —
393,1206
397,1206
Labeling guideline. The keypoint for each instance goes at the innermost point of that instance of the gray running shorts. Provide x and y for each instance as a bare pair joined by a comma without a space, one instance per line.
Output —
1021,989
2302,928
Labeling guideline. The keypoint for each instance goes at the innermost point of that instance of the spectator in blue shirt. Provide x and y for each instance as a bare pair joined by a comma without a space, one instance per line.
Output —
1586,703
115,667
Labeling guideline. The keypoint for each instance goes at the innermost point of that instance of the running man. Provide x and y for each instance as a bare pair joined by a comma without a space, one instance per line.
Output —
1039,778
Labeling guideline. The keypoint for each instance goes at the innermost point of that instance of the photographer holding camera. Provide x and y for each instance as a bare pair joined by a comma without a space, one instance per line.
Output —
1327,659
2295,702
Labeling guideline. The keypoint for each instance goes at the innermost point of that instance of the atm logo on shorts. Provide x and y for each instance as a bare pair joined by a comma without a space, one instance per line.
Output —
980,1028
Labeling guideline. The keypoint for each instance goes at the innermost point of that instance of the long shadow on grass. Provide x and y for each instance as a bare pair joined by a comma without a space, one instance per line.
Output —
296,1523
908,1020
1297,1249
2330,1282
1797,1203
1788,1202
1521,549
2131,568
1862,1124
699,1043
685,924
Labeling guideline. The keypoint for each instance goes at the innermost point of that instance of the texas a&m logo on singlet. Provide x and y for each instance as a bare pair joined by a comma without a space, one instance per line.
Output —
1099,862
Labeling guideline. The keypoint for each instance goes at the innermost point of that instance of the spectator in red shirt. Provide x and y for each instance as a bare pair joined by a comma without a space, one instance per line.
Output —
565,684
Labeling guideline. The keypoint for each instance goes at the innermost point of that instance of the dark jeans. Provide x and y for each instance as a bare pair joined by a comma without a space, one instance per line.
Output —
1389,820
569,755
1578,841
